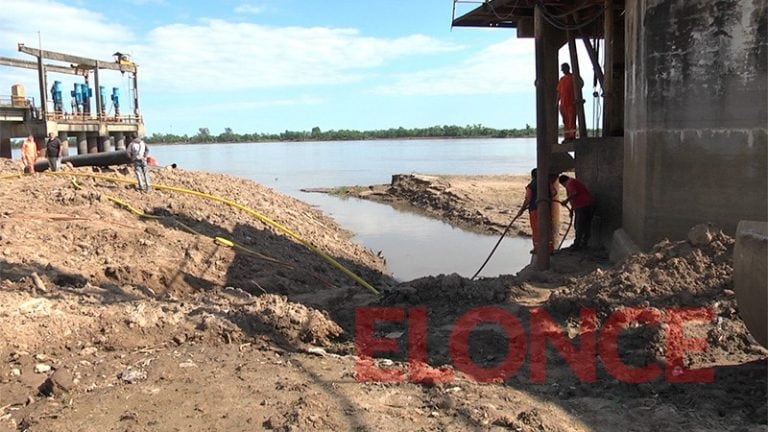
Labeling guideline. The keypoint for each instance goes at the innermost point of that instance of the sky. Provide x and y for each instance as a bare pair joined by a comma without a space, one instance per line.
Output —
267,66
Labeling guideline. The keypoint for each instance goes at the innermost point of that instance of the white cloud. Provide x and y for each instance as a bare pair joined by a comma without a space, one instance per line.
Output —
62,28
217,53
247,8
504,67
211,54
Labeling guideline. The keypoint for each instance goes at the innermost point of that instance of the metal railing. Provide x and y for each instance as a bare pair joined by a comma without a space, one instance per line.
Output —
92,117
16,101
29,103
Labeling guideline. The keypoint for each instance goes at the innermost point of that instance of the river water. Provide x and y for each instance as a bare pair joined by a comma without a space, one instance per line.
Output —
413,245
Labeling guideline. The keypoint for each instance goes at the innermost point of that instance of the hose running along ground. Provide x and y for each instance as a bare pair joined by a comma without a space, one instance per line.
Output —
230,203
506,230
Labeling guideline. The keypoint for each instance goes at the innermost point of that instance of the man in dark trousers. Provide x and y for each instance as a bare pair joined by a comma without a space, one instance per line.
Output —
53,150
583,204
137,151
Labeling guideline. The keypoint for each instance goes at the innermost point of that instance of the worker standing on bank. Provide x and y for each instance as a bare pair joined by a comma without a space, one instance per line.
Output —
53,151
137,152
29,154
567,100
583,205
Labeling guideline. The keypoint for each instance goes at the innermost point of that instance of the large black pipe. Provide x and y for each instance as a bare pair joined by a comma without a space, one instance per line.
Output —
92,159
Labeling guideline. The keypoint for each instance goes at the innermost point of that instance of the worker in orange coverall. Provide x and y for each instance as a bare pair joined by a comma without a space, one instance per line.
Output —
29,154
567,99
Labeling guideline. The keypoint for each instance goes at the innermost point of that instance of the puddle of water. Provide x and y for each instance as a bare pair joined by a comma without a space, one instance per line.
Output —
413,245
417,246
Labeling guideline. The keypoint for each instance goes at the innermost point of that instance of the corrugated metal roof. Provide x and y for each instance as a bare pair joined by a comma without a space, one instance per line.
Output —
584,16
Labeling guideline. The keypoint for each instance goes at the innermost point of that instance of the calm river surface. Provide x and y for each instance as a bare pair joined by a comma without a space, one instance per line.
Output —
413,245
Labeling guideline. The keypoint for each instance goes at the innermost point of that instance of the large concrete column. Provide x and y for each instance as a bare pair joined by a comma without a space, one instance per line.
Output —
5,147
93,144
750,277
40,144
696,108
613,84
548,42
105,144
119,138
82,143
63,137
5,141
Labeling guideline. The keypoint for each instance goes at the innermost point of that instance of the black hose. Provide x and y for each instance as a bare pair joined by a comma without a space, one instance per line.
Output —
506,230
570,222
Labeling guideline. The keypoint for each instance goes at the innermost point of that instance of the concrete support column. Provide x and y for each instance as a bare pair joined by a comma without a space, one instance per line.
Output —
696,141
93,144
82,143
613,94
105,144
119,138
64,138
40,144
5,147
548,42
5,141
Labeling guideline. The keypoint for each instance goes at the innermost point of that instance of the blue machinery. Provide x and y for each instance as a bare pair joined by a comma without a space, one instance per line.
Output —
81,98
82,93
58,104
91,123
116,100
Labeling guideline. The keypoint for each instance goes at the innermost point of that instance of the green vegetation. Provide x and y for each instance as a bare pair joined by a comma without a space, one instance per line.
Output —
470,131
347,190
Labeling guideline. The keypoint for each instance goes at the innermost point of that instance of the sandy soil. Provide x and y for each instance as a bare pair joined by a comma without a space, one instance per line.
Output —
484,204
115,322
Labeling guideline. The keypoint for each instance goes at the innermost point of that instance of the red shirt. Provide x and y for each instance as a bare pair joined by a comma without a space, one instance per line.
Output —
578,194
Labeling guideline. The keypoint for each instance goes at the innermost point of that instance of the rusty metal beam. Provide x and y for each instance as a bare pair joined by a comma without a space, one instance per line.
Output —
595,61
578,83
84,61
27,64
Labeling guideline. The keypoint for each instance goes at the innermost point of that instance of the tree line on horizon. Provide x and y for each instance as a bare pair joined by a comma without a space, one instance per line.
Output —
204,135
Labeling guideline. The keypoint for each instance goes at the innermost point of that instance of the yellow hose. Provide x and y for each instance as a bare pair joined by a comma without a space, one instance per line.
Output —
221,240
237,205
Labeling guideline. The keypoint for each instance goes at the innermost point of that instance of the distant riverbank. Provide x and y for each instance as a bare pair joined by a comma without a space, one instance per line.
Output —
204,135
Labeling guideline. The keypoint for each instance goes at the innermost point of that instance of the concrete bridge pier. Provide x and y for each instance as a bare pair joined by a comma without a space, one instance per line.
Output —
40,144
93,144
119,138
64,138
5,140
105,144
82,143
5,147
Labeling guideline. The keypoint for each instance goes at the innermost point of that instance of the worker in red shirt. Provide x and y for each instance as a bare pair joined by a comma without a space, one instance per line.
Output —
567,99
583,205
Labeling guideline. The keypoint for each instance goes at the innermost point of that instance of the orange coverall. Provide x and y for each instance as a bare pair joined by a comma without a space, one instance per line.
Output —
29,154
567,105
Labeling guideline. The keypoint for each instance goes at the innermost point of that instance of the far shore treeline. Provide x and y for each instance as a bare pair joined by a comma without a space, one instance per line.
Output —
204,135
